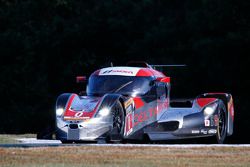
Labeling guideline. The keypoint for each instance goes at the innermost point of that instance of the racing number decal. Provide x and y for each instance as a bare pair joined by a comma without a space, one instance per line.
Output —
79,114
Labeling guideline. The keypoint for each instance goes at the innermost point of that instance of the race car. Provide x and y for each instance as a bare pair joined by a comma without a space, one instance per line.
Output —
133,102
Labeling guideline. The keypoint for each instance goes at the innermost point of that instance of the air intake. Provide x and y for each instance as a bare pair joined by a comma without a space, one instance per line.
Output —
73,126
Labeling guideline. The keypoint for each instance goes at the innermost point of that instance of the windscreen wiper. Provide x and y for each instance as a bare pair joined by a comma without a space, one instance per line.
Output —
121,87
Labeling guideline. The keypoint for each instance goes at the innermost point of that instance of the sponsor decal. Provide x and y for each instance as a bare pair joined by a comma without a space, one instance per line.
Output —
106,72
212,131
195,131
69,118
141,117
117,71
145,115
129,109
207,122
203,131
129,132
163,104
128,102
129,116
128,71
129,124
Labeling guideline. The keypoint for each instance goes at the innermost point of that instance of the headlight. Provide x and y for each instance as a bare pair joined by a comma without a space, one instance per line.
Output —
59,112
209,110
104,112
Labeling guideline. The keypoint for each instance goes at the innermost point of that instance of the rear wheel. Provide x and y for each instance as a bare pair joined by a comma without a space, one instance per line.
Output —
222,126
118,122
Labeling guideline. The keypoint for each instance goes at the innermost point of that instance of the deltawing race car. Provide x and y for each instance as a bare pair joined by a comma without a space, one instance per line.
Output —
133,103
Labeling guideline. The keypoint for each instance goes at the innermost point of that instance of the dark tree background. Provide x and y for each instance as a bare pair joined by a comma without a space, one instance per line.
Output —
44,44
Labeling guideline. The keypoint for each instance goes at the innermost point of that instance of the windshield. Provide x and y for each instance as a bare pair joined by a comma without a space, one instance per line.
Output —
126,85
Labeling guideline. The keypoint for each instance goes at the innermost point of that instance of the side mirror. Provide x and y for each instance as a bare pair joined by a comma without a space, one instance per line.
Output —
81,79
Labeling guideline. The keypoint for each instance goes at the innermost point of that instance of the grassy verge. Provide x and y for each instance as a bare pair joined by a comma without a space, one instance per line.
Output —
11,139
124,156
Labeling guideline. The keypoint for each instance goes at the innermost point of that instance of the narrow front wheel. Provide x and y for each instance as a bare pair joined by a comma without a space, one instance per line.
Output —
118,117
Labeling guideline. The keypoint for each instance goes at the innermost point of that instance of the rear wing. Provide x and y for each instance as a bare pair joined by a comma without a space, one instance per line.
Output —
167,65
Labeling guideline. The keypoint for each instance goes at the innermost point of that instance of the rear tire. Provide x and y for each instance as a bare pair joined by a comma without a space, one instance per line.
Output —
222,127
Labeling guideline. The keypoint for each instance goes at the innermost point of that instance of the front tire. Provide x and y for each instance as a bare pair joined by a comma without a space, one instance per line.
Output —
118,117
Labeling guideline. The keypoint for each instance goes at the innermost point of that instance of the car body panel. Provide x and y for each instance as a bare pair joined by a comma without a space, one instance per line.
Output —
149,113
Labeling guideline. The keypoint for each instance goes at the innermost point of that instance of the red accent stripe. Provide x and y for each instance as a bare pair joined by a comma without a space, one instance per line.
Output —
72,113
164,79
138,102
204,101
70,102
91,114
231,108
143,73
146,72
96,72
157,73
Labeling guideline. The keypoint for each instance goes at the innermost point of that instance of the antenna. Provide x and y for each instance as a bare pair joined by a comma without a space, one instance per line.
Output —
146,65
168,65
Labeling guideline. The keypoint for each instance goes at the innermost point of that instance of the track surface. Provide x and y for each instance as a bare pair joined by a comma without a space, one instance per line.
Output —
32,142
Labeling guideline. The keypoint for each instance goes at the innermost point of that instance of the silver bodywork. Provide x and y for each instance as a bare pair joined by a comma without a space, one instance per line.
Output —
79,127
90,130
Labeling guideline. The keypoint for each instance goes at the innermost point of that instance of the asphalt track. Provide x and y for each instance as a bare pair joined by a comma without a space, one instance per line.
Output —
32,142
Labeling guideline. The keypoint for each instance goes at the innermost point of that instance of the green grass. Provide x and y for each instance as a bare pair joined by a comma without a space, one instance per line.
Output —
124,156
11,139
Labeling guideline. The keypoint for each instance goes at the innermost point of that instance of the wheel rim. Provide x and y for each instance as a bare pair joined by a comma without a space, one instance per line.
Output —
117,118
221,128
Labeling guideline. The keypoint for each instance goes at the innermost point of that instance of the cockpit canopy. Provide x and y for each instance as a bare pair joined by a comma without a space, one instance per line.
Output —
99,85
